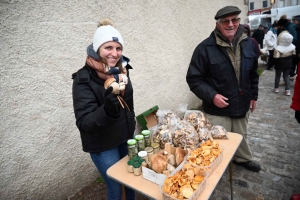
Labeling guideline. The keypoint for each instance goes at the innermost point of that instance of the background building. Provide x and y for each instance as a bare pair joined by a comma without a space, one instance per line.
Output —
265,12
265,4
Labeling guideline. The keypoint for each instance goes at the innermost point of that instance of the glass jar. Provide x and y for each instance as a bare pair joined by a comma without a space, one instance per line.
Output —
132,148
155,147
137,169
149,153
143,162
146,134
130,166
143,155
140,142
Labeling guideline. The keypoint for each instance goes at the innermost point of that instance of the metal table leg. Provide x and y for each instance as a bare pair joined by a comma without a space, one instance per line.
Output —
230,179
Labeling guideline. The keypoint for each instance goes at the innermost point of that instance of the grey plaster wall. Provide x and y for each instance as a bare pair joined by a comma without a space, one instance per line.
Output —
44,42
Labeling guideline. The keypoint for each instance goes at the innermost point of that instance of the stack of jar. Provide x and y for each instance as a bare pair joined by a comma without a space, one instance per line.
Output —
142,146
134,165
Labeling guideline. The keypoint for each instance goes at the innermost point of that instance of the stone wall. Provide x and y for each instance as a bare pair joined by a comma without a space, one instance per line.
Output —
44,42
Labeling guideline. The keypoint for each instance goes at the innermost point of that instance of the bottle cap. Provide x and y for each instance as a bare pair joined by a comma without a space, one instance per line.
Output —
142,154
136,165
135,158
149,149
139,137
146,132
155,145
130,162
131,142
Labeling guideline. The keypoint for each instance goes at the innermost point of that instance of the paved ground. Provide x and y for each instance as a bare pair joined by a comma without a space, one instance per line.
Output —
274,138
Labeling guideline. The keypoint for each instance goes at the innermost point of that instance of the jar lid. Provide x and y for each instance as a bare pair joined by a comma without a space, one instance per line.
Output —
155,145
146,132
149,149
135,158
131,142
142,160
142,153
139,137
130,162
136,165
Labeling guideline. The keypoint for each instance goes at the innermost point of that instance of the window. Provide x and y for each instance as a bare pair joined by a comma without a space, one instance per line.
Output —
293,2
281,4
264,4
252,6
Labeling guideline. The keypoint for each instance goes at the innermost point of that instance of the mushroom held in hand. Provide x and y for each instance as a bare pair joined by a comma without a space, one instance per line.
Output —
117,87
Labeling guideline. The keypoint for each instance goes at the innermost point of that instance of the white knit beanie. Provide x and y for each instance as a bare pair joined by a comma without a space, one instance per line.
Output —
105,34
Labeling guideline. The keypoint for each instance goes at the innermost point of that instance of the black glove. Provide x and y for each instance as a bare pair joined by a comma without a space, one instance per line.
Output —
111,105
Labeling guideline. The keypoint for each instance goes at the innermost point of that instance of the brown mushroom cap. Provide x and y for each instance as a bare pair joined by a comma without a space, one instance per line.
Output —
108,82
159,163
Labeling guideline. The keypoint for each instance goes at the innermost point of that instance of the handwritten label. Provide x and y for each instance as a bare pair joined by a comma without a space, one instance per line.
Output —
153,176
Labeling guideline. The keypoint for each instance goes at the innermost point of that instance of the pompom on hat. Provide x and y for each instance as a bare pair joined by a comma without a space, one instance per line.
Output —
226,11
106,33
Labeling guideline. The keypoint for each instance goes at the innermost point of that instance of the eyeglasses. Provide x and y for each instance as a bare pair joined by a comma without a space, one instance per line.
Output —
227,21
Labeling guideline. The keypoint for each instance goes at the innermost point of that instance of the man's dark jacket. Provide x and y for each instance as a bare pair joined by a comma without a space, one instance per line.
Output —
211,72
99,131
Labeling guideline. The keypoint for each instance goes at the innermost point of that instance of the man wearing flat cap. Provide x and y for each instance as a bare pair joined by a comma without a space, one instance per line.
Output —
223,74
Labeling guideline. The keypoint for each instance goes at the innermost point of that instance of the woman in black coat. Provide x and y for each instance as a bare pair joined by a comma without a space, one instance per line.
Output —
104,123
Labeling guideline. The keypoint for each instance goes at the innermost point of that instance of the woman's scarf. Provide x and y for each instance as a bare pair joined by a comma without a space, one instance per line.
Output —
104,71
273,30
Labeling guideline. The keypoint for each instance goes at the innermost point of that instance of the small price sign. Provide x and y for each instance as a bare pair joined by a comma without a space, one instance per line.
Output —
153,176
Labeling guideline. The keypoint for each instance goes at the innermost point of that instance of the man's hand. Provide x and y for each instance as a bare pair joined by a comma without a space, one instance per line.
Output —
220,101
252,105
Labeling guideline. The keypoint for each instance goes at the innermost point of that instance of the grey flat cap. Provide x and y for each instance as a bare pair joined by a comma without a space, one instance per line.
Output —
226,11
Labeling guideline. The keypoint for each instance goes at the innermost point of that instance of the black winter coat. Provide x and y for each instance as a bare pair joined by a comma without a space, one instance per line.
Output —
259,35
98,131
283,63
211,72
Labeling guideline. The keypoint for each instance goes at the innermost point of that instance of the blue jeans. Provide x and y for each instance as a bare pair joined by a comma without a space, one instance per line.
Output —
104,160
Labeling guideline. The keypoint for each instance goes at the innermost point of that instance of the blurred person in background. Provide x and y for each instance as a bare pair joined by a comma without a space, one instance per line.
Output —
259,35
296,21
271,42
247,32
283,59
285,25
296,99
